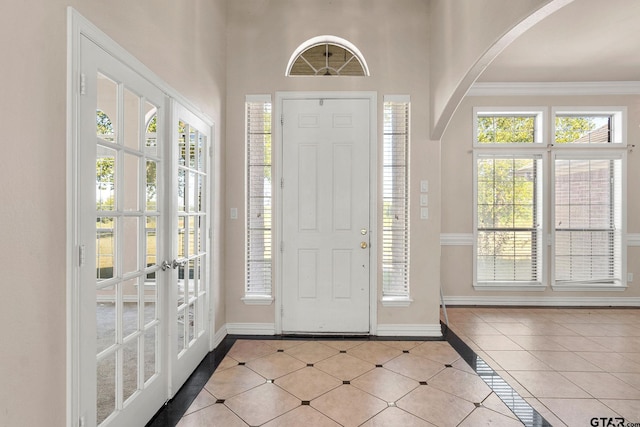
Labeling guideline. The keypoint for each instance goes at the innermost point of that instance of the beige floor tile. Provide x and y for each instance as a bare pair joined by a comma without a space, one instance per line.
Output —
535,342
495,342
226,363
565,361
629,409
384,384
602,385
494,403
618,344
275,365
344,367
634,357
342,345
464,385
308,383
437,351
302,416
232,381
550,329
629,378
414,367
548,384
517,361
212,416
463,366
473,329
245,350
402,345
262,404
611,362
486,417
202,400
348,405
435,406
374,352
512,328
285,344
312,352
578,343
394,417
578,412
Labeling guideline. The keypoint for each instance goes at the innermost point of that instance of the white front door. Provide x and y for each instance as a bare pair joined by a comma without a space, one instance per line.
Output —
141,226
325,215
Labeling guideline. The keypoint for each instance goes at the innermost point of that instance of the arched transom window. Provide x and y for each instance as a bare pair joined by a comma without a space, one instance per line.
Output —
327,56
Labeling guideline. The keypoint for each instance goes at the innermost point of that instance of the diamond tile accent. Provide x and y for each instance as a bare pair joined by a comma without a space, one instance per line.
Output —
262,404
349,405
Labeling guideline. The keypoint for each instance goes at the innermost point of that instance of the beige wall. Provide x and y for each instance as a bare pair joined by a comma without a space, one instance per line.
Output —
393,37
457,190
164,35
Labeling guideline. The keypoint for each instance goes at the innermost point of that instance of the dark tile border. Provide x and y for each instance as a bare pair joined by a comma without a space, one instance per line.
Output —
171,413
520,407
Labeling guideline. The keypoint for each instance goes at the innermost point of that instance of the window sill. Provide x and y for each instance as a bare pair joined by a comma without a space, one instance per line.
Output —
258,300
396,301
510,286
586,287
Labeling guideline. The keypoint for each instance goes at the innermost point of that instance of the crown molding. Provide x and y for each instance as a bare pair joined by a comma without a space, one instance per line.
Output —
554,88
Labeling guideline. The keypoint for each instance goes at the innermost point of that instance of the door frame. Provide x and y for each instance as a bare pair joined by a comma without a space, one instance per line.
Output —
372,97
77,28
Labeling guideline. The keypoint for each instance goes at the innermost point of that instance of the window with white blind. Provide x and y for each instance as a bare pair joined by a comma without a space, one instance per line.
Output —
395,231
508,208
588,170
509,219
258,212
578,178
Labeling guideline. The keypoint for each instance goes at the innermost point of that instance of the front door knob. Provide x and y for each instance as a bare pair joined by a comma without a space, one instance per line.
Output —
363,245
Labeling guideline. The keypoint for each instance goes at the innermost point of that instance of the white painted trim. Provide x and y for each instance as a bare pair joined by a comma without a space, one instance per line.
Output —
330,40
466,239
530,287
276,170
396,301
543,301
251,328
257,300
554,88
409,330
457,239
633,239
218,337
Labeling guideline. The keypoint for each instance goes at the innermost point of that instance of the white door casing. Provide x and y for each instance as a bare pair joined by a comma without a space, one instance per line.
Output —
326,216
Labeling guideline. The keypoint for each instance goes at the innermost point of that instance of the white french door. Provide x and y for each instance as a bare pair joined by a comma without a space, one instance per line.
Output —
141,181
326,215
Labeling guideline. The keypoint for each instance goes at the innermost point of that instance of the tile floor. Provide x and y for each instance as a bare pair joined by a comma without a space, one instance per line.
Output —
345,383
570,365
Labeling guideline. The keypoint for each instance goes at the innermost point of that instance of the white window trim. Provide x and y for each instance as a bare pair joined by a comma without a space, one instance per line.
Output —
328,39
401,300
600,152
540,133
542,265
255,299
619,126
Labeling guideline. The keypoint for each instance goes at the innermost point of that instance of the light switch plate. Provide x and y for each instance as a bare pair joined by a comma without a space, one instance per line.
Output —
424,200
234,213
424,213
424,186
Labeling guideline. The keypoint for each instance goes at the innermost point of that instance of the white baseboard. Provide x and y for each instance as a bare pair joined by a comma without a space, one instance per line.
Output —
219,336
409,330
251,328
544,301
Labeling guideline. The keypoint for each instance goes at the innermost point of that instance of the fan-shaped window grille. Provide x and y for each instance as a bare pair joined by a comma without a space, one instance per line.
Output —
327,56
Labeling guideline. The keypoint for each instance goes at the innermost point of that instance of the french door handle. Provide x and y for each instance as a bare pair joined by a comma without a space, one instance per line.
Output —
172,264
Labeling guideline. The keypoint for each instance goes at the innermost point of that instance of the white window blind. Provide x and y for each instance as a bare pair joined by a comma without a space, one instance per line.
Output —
395,232
588,220
509,219
258,203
